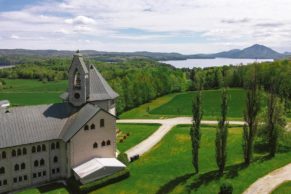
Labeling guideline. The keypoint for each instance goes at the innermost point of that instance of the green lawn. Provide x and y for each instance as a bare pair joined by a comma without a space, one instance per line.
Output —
167,167
284,188
54,188
137,133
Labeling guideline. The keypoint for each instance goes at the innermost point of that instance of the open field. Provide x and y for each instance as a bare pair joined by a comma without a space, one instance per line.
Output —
284,188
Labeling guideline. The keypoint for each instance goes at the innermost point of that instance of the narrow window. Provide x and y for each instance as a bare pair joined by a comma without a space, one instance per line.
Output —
2,170
24,152
58,170
13,153
38,148
102,122
19,152
77,80
53,171
86,128
34,175
25,177
58,145
3,155
41,162
20,179
22,166
15,180
33,150
95,145
0,183
35,163
53,146
103,143
16,167
39,174
92,126
55,159
108,142
43,147
5,182
44,173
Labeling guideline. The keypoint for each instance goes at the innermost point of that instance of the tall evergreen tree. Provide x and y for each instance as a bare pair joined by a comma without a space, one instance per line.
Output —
250,117
195,130
221,134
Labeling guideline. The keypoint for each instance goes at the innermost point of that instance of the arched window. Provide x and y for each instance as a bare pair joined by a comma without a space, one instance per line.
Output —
108,142
22,166
35,163
3,155
103,143
38,148
102,123
2,170
53,146
92,126
58,145
24,152
13,153
43,147
41,162
86,127
19,152
55,159
16,167
33,150
77,80
95,145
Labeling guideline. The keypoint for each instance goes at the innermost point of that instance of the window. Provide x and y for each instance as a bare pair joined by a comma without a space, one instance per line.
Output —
3,155
39,174
2,170
16,167
44,173
55,159
58,145
20,179
35,163
102,123
41,162
77,80
0,183
43,147
13,153
108,142
38,148
33,150
22,166
103,143
86,127
92,126
58,170
15,180
19,152
5,182
34,175
53,146
24,152
95,145
53,171
25,177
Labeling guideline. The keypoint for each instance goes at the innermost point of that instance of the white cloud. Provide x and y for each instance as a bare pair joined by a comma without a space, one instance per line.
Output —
13,36
80,20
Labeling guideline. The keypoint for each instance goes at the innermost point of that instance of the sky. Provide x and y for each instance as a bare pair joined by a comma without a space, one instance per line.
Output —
184,26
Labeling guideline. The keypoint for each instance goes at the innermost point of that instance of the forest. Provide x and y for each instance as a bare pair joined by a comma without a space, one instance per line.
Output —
140,80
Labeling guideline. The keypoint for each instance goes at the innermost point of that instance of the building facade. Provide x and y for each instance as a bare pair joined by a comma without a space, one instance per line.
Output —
39,144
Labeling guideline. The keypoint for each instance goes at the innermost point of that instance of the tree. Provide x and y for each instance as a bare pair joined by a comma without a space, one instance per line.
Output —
250,117
195,130
221,134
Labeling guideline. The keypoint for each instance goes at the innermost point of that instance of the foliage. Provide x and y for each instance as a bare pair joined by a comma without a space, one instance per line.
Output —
226,188
221,134
195,130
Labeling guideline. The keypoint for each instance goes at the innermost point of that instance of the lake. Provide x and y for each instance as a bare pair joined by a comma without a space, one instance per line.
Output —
190,63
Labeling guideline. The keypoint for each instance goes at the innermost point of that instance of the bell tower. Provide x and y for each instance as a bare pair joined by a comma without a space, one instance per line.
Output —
78,90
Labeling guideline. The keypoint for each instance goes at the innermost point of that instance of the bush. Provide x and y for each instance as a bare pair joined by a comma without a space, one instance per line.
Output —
123,174
226,188
122,157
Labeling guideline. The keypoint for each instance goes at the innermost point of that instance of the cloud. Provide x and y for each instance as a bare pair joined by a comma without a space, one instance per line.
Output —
80,20
235,21
269,24
13,36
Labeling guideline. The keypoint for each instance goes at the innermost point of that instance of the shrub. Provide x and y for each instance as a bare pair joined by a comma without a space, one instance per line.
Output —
226,188
122,157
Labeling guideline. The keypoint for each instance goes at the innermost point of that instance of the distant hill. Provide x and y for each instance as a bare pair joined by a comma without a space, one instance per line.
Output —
253,52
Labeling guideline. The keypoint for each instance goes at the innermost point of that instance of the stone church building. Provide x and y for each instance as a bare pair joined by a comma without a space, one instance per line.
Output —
43,143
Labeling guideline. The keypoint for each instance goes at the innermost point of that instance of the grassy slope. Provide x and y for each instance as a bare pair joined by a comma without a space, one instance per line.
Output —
167,168
284,188
138,132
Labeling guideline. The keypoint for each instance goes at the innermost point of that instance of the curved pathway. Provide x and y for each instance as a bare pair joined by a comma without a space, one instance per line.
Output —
166,126
269,182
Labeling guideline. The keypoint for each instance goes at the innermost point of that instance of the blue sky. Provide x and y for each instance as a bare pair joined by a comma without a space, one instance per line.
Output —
192,26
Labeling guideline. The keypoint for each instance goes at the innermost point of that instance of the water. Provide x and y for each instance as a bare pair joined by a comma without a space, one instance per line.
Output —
190,63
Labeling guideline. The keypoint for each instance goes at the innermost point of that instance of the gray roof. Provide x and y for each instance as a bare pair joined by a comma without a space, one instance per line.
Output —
99,88
31,124
79,56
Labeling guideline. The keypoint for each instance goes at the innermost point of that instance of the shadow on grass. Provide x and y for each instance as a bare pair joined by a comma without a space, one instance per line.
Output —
51,187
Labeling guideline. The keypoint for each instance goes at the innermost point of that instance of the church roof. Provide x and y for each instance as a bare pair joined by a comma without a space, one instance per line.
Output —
99,88
32,124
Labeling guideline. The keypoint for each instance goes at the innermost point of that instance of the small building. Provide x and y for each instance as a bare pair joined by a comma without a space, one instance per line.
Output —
42,143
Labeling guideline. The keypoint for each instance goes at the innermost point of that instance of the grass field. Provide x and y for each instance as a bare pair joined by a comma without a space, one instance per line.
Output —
284,188
138,132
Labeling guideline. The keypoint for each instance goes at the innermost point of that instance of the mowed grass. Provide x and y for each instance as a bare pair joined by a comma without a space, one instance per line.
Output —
32,92
137,133
167,168
284,188
181,104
